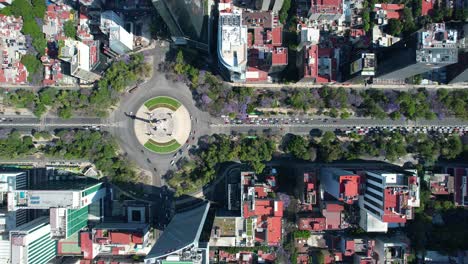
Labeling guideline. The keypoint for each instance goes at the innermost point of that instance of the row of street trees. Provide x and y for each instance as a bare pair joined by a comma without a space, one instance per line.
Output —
96,101
99,148
391,145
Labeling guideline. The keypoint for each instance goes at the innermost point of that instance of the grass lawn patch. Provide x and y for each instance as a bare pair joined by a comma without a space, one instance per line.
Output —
167,147
162,101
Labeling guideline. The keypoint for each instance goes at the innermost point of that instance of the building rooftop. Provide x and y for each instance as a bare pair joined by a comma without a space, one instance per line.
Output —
327,6
441,184
13,46
183,230
312,223
55,17
274,230
332,213
261,19
279,56
232,41
437,45
75,184
460,185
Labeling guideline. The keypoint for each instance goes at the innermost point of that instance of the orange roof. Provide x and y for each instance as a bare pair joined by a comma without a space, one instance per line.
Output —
120,238
260,191
393,15
277,38
86,245
278,208
274,230
427,7
279,56
334,207
393,6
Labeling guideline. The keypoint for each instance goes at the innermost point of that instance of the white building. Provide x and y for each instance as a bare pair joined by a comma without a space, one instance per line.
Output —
389,198
81,64
78,54
110,19
31,243
232,44
68,201
9,181
120,41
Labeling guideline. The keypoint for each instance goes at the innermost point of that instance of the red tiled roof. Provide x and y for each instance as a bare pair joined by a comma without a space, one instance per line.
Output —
332,215
334,207
349,247
355,32
392,200
137,239
279,56
311,62
277,38
120,238
278,208
115,250
349,187
86,245
327,6
393,6
312,223
263,207
427,7
260,192
274,231
393,15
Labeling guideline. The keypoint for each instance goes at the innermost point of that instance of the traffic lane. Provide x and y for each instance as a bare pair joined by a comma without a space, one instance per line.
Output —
364,122
75,120
18,120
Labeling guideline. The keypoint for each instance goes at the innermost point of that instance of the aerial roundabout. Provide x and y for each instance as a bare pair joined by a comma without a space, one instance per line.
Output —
162,124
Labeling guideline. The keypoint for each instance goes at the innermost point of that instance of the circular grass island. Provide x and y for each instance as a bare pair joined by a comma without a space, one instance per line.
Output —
162,124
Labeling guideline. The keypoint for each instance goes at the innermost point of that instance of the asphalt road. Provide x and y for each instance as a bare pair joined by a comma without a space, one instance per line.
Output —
331,125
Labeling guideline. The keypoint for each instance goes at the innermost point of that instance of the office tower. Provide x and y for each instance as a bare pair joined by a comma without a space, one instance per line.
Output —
10,181
31,243
389,199
67,198
232,44
180,241
120,40
187,20
431,48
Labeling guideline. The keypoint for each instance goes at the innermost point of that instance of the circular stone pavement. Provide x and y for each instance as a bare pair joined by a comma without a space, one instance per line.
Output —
162,124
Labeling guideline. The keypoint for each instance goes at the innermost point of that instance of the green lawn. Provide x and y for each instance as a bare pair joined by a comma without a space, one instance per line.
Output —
168,147
162,101
249,227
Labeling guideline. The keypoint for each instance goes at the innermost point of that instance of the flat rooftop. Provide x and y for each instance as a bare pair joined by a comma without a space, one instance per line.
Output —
226,225
233,48
78,183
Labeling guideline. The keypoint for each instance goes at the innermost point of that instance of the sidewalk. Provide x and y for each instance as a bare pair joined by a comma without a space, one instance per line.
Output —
344,85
